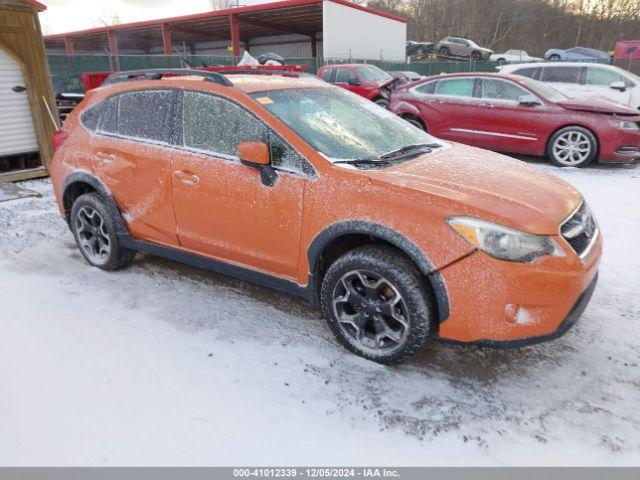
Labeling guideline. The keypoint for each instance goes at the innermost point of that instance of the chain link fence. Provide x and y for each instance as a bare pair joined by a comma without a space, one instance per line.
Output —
66,70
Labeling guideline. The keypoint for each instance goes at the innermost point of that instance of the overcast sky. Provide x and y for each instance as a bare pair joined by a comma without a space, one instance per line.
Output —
69,15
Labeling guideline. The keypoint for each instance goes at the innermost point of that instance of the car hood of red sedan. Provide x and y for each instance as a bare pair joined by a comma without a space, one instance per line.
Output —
597,104
488,185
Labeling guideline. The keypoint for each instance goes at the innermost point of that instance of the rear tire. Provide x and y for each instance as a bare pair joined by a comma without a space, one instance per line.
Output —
94,230
476,56
572,147
375,303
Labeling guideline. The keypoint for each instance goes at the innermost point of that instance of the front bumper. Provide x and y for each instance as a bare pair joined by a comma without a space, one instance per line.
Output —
506,304
564,327
620,146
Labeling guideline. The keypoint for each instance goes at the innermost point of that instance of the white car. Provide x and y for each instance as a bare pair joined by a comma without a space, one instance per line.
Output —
511,56
584,79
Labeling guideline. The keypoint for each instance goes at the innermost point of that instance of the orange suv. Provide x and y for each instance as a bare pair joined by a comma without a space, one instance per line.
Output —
307,188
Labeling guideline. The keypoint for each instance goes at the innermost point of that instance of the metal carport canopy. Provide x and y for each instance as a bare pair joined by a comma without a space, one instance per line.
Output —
303,17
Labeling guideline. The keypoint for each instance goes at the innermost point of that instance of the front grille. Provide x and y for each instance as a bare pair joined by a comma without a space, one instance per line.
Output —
580,230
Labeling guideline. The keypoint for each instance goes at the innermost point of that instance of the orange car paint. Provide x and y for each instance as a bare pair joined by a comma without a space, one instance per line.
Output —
184,200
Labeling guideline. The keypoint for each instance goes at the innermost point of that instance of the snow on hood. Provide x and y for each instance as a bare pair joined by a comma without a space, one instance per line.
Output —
597,104
489,186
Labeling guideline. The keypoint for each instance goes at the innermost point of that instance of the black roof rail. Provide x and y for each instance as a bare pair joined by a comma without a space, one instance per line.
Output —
273,71
158,73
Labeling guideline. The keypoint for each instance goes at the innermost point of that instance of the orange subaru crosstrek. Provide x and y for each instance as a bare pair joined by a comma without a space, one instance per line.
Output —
309,189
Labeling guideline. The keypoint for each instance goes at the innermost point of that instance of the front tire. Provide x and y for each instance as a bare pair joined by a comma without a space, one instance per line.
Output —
554,57
572,147
375,303
416,123
443,52
94,230
501,61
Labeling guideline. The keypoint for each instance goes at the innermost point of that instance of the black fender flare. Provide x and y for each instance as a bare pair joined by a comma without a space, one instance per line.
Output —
105,194
363,227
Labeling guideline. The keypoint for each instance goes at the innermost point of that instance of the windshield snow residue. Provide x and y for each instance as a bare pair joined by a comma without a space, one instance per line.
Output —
341,125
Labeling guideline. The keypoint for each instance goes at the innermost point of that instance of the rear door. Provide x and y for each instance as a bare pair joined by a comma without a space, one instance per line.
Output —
448,108
131,154
502,123
564,78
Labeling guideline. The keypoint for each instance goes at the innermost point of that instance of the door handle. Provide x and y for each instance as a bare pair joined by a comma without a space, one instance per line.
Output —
105,158
487,105
187,177
19,89
437,102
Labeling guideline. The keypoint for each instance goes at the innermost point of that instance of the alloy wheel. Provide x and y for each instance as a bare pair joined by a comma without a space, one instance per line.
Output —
572,148
92,235
371,311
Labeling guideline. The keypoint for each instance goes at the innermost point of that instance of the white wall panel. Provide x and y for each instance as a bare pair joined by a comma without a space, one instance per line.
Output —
361,35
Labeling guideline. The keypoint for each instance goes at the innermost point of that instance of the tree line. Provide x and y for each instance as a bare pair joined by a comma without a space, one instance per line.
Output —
532,25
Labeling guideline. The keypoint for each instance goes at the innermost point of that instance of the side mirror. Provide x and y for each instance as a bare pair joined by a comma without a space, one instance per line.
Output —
618,86
256,155
354,82
528,101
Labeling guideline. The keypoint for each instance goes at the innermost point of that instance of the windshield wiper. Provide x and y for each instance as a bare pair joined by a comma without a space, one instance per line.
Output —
411,149
365,162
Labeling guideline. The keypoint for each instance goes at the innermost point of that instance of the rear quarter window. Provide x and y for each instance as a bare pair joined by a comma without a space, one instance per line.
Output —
91,116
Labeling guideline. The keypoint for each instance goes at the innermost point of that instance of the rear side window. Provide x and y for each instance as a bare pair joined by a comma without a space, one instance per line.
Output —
459,87
561,74
145,115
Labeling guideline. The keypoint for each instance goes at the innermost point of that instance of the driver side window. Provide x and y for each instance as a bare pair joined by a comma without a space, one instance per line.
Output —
501,90
214,125
343,75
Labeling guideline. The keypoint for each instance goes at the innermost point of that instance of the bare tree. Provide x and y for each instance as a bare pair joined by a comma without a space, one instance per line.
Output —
106,18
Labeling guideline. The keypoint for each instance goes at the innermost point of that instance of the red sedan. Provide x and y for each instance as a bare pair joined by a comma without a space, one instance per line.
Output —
368,81
515,114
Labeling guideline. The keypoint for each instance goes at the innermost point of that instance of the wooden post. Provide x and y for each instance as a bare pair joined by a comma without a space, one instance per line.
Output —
235,35
166,39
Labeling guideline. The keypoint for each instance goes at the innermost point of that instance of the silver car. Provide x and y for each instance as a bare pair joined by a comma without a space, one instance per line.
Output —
462,47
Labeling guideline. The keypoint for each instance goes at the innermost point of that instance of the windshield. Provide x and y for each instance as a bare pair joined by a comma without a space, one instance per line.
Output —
371,73
340,124
543,90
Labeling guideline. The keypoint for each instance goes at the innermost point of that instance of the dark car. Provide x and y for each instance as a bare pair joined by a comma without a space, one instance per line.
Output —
420,49
405,76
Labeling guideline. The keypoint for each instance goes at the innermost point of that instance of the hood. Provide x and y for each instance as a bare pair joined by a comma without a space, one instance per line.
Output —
488,185
597,104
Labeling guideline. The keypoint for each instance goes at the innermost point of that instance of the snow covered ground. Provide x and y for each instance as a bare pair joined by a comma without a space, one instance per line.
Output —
163,364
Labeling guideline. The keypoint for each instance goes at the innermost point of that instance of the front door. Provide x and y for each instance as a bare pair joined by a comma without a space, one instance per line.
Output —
222,207
502,123
598,81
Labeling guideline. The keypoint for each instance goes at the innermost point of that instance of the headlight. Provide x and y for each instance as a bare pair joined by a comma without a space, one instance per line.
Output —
503,242
624,124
